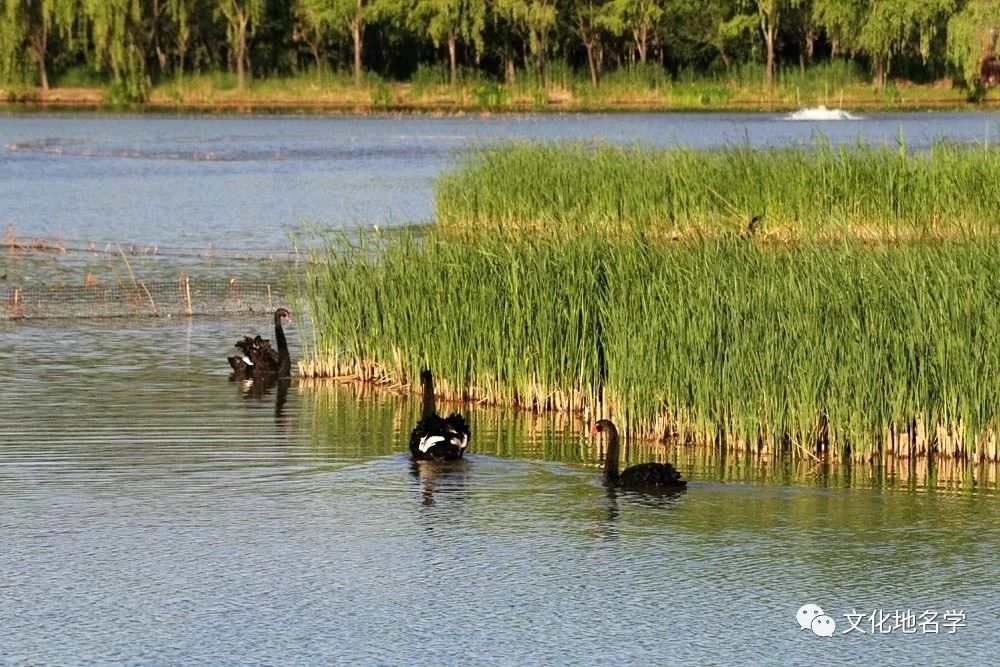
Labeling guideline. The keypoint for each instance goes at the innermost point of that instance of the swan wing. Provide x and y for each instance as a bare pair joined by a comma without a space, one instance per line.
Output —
429,441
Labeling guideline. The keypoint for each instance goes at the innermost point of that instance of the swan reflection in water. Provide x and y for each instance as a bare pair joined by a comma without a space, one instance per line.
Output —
441,478
607,509
259,390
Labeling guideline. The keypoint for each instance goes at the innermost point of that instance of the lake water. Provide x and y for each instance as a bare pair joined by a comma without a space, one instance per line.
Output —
245,181
153,512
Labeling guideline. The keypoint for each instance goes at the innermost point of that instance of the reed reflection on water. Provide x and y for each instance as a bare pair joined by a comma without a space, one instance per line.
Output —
144,495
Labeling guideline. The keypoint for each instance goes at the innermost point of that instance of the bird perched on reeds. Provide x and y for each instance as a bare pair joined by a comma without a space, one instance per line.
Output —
753,226
436,437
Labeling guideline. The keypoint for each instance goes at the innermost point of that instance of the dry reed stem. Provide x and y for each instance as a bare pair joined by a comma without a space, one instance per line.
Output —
941,440
36,244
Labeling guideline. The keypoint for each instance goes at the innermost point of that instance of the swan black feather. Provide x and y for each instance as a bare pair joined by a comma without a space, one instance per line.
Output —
644,476
259,358
436,437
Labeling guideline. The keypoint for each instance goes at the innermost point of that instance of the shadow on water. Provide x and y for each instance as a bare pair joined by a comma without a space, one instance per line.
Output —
565,439
184,500
259,391
441,479
608,507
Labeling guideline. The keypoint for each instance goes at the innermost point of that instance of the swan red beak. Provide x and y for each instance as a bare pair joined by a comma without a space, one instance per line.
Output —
594,429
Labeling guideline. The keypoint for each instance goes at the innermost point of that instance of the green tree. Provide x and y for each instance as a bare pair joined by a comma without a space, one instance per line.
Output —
891,26
802,22
340,16
769,14
972,35
447,21
312,27
27,29
842,21
241,17
636,18
587,23
181,14
115,29
535,20
729,28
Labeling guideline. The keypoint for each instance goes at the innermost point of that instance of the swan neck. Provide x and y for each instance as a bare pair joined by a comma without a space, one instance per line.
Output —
611,456
284,358
428,400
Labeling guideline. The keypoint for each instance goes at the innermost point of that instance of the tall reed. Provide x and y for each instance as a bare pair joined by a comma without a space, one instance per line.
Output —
860,349
820,190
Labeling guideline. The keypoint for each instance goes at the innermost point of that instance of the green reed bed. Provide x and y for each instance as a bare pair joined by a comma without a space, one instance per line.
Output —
823,190
484,317
864,348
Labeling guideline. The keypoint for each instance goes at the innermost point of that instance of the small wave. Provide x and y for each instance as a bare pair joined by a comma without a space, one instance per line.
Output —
222,153
73,148
821,113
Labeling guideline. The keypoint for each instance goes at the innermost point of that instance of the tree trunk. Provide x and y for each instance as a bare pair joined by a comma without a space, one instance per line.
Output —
40,47
356,34
769,41
241,51
314,47
542,50
641,35
591,62
154,36
808,47
452,57
880,73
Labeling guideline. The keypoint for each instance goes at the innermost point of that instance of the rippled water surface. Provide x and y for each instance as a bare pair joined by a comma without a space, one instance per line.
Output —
245,181
154,512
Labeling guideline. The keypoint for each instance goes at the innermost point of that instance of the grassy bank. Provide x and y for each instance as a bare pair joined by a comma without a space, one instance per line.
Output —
859,349
650,88
822,190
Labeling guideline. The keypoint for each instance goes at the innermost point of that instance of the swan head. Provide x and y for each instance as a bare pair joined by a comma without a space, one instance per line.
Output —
283,313
602,426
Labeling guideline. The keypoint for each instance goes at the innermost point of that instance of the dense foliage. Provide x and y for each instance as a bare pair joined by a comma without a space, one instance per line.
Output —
856,348
613,281
822,190
133,44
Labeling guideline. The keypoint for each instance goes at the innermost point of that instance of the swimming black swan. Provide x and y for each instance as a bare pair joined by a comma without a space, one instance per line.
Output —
436,437
648,476
259,358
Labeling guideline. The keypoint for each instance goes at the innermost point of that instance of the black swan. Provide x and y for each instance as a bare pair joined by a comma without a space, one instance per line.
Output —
436,437
259,358
645,476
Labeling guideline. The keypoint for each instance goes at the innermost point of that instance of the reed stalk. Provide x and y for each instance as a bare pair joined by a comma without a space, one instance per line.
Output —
822,190
853,349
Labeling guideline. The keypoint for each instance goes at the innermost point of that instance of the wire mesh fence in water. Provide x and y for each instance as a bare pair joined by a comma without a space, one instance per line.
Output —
185,296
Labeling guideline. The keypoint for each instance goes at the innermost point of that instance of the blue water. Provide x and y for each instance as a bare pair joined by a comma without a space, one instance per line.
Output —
153,512
248,181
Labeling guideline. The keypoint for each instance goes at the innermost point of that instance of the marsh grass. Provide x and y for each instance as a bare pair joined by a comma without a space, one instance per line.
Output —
858,349
822,190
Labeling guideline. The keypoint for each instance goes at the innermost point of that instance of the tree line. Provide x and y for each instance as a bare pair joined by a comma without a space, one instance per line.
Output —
137,43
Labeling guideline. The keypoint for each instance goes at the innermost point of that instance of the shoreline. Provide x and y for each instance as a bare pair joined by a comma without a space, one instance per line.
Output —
360,102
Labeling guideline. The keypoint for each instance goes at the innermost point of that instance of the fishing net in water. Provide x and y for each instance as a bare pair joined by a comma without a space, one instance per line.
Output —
58,278
185,296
